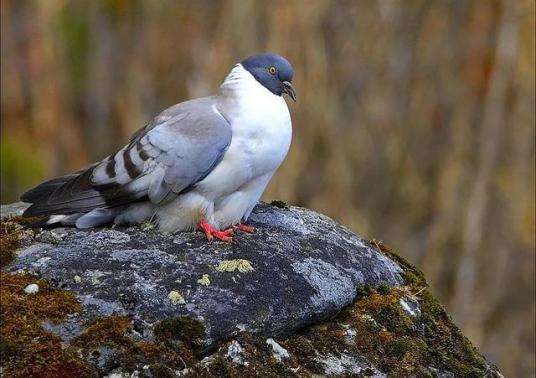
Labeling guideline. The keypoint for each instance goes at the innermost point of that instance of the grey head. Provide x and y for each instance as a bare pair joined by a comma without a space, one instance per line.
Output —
273,71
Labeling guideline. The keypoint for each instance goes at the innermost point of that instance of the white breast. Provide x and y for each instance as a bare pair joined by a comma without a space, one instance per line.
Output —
261,129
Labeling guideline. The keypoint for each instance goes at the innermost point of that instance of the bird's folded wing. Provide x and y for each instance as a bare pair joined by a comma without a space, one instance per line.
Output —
166,158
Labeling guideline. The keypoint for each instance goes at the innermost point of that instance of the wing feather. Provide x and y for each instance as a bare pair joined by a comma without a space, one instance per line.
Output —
167,157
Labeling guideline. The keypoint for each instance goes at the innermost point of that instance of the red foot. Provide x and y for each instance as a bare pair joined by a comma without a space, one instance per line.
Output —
212,232
245,228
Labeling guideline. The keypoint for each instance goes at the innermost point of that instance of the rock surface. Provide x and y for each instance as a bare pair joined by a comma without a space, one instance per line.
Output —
299,268
303,268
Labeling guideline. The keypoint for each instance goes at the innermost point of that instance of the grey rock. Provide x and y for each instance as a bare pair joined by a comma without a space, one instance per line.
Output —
441,373
349,365
16,208
279,352
104,358
411,306
67,330
349,333
305,269
234,353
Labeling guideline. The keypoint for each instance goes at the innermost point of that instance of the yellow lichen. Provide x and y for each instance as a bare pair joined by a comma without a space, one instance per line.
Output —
204,280
243,266
147,226
176,298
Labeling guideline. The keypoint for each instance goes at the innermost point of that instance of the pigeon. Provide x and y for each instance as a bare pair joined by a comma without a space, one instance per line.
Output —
200,164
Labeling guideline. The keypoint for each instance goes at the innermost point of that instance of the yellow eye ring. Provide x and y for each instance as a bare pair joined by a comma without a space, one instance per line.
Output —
272,70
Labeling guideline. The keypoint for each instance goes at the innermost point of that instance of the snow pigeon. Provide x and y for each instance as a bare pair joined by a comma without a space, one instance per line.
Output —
202,163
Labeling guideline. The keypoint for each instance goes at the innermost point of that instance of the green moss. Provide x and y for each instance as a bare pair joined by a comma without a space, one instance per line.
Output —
9,349
431,307
161,371
383,289
363,291
220,367
400,347
147,226
386,311
449,348
412,276
411,279
188,331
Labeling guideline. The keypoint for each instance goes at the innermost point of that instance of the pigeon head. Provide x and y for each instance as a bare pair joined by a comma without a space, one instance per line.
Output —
273,71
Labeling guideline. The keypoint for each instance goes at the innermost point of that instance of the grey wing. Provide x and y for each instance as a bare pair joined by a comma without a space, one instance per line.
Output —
186,148
168,157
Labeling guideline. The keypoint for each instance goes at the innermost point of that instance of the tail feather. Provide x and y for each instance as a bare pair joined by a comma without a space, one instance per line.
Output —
75,193
44,190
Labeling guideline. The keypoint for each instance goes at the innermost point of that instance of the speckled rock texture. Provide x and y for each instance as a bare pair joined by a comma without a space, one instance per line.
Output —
305,268
298,269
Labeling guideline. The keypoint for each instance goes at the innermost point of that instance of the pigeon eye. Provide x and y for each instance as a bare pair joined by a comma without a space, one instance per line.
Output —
272,70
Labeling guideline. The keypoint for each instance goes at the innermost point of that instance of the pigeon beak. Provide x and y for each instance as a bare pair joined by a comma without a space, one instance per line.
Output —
289,90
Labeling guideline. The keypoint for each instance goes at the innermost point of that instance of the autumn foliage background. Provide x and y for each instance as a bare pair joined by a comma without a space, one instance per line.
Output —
415,122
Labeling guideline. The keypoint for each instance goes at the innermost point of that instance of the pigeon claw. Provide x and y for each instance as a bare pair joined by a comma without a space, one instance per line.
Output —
211,232
244,228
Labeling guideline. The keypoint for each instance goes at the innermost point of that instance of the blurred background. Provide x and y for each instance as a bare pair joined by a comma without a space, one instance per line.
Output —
415,122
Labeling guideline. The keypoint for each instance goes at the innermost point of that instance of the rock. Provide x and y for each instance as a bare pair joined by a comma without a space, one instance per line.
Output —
31,289
234,352
280,353
298,270
411,306
349,365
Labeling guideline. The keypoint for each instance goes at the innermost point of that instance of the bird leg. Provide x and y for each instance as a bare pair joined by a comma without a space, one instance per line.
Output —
245,228
212,232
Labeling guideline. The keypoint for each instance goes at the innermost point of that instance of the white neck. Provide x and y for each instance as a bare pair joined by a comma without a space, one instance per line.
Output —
239,79
240,90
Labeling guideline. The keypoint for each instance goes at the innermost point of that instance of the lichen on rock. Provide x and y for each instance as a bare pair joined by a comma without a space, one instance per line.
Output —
204,280
176,298
240,265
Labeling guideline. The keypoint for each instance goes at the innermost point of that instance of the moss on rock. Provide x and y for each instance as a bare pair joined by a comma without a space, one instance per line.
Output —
412,276
187,331
12,236
26,348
